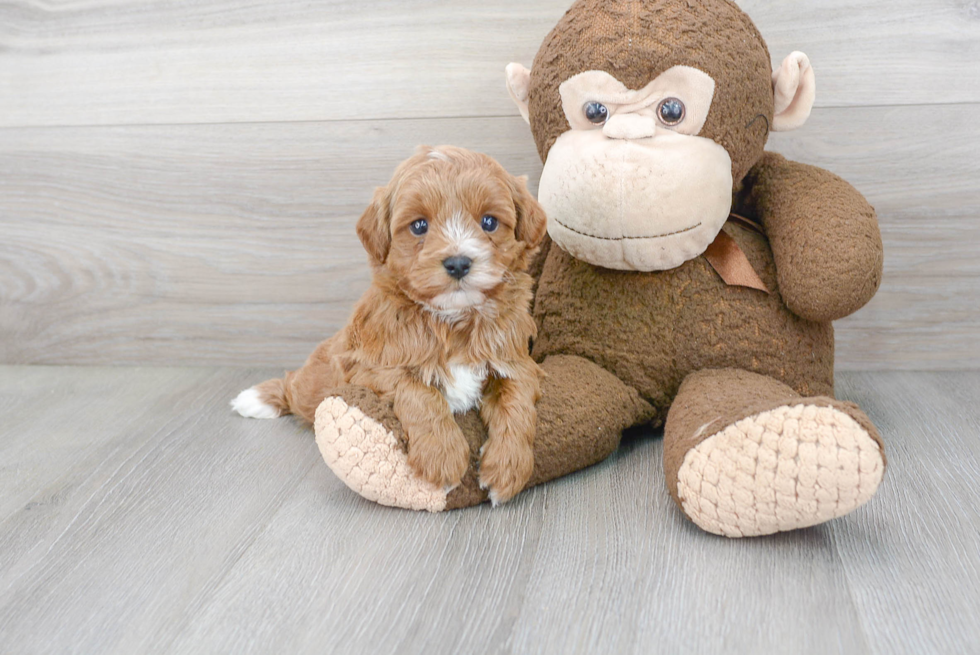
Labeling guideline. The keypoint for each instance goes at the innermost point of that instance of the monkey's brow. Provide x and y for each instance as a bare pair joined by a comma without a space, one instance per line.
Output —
763,117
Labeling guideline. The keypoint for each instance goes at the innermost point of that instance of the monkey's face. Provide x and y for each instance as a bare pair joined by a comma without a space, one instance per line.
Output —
648,114
632,185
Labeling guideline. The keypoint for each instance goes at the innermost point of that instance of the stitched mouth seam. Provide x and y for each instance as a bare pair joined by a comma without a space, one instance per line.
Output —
659,236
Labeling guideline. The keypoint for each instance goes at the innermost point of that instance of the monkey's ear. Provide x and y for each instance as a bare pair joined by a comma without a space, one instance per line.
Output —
795,89
532,222
374,226
519,85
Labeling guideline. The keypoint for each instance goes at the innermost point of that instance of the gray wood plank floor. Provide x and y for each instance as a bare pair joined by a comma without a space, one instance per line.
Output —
137,514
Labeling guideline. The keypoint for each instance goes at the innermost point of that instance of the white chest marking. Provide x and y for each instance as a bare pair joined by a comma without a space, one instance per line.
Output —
465,390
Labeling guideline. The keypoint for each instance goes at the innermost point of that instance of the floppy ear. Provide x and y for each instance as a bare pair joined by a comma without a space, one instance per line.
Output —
532,222
795,88
374,226
518,85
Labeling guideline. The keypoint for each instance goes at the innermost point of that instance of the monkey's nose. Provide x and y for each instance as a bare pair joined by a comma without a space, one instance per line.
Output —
458,266
630,126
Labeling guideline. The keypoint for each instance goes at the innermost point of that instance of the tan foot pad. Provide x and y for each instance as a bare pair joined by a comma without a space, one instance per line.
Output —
367,457
784,469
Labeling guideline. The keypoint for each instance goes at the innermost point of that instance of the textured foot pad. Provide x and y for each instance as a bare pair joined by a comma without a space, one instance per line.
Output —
367,457
784,469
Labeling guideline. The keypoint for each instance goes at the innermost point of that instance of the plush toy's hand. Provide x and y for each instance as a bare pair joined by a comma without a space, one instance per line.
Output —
823,233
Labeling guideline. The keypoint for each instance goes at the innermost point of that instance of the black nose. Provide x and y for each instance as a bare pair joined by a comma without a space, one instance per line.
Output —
457,267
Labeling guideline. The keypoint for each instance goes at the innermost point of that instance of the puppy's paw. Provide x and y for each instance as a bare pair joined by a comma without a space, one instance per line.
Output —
505,468
440,457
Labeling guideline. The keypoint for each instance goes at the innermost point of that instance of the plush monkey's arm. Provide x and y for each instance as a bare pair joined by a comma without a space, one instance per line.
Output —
824,237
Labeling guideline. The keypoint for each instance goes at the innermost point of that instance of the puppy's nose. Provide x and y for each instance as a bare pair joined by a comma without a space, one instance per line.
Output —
457,266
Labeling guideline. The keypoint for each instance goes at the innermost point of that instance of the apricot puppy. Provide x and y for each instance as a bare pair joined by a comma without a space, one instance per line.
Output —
444,327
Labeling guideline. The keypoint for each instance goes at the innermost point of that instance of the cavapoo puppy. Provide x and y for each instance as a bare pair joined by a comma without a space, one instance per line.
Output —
445,325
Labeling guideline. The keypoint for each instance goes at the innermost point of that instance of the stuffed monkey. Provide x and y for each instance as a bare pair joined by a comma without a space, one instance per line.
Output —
689,281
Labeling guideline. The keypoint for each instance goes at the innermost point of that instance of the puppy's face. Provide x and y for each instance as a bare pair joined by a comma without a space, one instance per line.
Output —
452,226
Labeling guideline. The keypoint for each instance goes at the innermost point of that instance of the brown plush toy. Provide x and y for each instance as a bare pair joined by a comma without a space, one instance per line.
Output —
690,280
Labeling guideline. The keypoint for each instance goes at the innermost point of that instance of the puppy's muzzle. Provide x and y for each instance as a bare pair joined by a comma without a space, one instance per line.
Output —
458,266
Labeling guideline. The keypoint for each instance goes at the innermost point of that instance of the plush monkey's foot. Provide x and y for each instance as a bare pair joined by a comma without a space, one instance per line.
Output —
581,415
797,463
788,468
368,458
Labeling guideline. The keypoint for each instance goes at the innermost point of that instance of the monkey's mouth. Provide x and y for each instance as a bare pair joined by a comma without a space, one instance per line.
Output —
627,238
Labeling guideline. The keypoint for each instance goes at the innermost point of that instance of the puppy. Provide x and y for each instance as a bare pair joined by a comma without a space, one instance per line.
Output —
444,327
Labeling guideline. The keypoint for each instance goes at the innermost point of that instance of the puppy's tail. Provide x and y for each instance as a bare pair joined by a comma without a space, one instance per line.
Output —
266,400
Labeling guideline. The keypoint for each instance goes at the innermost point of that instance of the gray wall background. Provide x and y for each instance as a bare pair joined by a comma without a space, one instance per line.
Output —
179,180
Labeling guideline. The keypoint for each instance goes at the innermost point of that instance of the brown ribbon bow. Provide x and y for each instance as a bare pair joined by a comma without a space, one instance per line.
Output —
730,262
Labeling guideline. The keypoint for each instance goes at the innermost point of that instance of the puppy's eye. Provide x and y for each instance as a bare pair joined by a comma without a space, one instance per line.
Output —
596,112
419,227
671,111
489,223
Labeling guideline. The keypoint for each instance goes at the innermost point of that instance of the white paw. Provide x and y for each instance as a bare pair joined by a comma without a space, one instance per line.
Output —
492,494
249,405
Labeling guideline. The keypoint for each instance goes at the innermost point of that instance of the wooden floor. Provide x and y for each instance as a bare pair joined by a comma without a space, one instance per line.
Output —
139,515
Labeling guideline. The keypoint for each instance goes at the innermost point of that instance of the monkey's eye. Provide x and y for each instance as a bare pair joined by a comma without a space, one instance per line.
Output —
596,112
671,111
489,223
419,227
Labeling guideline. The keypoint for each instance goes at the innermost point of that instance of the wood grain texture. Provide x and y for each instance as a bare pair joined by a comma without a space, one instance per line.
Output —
235,245
134,491
912,559
132,62
160,523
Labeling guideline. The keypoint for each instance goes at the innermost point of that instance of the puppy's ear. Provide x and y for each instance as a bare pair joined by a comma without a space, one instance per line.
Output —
374,226
532,223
